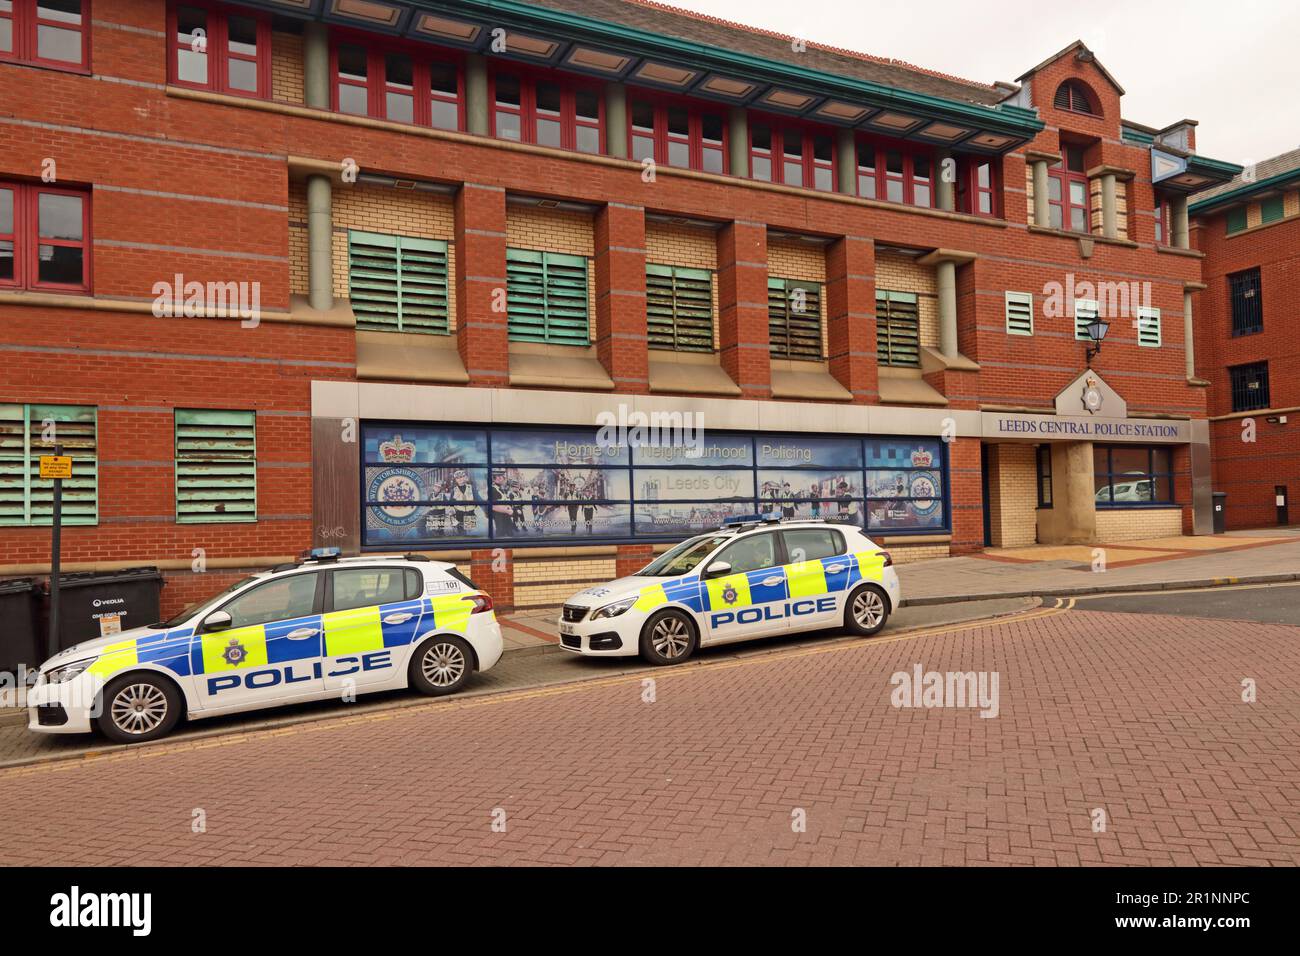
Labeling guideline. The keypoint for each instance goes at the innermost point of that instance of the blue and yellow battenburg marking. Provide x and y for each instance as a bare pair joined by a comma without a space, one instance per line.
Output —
169,649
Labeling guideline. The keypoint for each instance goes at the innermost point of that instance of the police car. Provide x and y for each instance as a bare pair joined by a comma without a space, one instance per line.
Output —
322,627
753,577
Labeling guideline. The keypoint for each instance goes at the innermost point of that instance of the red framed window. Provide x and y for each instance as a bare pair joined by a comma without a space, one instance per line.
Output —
214,48
397,83
46,33
673,133
792,154
896,173
1162,221
531,108
44,238
1067,193
976,187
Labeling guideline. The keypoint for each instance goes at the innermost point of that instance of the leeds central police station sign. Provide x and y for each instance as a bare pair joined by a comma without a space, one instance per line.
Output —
1081,428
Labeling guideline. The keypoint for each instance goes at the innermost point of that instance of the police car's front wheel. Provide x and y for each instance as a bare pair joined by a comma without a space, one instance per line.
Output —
668,638
441,665
138,707
867,610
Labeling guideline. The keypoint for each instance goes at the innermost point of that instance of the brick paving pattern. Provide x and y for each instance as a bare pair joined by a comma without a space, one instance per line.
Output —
1140,716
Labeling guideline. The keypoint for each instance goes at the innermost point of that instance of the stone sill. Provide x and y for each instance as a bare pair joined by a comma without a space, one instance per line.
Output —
340,316
1092,237
1175,251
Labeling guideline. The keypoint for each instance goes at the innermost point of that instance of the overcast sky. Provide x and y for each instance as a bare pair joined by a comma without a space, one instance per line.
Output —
1235,66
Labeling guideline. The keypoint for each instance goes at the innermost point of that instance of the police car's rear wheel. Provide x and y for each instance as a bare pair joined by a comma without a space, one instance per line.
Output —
867,610
138,707
668,638
441,666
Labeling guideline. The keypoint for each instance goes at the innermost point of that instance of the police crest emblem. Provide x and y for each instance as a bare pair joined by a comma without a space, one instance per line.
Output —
235,653
729,594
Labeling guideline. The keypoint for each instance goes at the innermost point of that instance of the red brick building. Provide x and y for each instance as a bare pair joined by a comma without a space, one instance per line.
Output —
290,273
1249,230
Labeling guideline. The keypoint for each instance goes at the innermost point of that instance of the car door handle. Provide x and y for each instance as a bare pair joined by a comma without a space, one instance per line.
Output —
772,580
401,617
834,568
302,633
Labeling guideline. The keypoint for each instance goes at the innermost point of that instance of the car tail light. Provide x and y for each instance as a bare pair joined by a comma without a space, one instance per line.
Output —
887,558
482,602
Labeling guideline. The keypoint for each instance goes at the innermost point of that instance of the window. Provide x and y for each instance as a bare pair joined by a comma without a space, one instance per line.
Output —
679,308
1067,192
44,236
366,587
1075,97
812,544
1085,313
398,283
1271,210
976,191
754,553
793,155
1127,475
794,319
546,296
1164,235
1043,458
546,112
46,32
283,599
216,49
1249,386
1235,220
676,134
26,433
898,329
1148,327
216,466
1020,313
397,84
1247,302
896,174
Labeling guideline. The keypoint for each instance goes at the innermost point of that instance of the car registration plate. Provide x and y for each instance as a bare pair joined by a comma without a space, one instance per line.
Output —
567,629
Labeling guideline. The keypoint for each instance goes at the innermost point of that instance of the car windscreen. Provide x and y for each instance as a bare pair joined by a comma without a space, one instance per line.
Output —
203,606
683,558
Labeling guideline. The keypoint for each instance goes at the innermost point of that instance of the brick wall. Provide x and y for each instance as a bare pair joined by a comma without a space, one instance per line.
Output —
1013,495
286,68
1116,524
896,272
555,230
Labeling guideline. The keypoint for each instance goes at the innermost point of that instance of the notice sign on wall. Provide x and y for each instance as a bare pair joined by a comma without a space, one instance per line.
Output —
55,466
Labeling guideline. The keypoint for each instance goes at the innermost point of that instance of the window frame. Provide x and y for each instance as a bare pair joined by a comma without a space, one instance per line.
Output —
780,127
218,49
25,22
317,600
660,136
1149,475
779,557
376,86
1237,296
1238,388
971,190
1043,473
569,85
1062,173
879,149
28,241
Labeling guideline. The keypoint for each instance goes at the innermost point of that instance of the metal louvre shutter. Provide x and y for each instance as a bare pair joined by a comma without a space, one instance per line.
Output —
679,308
898,329
24,497
1020,313
216,466
1148,322
398,283
1085,312
794,332
546,295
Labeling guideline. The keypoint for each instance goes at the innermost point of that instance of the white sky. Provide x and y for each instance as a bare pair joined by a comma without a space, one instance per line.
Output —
1234,66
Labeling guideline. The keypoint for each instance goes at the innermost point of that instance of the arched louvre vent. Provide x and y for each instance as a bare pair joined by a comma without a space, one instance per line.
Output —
1071,96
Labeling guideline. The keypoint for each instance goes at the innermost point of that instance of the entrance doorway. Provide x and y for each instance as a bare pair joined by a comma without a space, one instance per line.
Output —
1283,516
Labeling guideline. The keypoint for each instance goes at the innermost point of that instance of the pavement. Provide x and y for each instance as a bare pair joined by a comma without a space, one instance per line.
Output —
1114,738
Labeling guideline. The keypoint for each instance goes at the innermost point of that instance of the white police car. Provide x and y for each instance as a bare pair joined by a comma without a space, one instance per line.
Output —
322,627
753,577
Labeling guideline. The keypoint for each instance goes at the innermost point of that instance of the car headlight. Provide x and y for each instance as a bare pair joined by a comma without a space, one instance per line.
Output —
61,675
615,609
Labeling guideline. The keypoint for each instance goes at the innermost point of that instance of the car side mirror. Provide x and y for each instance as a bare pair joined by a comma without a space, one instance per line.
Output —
216,621
717,569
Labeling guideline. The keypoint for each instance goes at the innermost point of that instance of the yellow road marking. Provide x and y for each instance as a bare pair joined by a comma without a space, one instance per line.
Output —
690,669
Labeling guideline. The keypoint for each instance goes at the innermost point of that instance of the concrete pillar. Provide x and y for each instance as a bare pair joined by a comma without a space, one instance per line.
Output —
476,94
1109,212
1189,348
1072,519
846,158
320,243
1041,215
316,65
738,139
616,120
946,283
742,307
620,296
1178,213
945,191
851,315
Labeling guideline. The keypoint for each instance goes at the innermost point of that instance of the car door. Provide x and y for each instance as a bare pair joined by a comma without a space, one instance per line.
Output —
749,600
371,616
271,650
816,575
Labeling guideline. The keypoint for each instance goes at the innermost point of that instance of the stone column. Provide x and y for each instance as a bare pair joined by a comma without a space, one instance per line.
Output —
316,65
1189,347
476,94
616,120
738,141
846,159
945,192
1042,217
320,243
1178,228
1109,212
946,286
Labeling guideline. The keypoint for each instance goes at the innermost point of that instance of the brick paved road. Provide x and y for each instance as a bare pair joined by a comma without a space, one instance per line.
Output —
1137,715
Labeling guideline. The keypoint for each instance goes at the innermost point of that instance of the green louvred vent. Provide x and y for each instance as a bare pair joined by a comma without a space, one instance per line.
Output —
398,283
216,466
26,433
794,319
679,308
546,295
898,329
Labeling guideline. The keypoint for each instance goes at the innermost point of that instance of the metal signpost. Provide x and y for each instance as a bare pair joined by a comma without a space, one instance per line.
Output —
55,468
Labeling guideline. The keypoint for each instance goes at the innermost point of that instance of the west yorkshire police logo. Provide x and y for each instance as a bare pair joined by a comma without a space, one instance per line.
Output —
729,594
234,654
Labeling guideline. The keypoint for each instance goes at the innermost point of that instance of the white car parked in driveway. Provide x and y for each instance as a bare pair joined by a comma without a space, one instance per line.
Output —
323,627
751,578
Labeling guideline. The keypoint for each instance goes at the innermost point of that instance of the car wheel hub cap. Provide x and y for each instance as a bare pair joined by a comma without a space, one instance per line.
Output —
140,708
670,637
443,665
868,609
